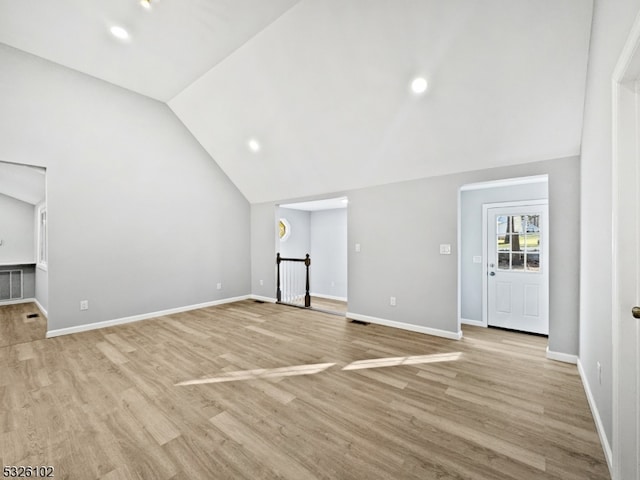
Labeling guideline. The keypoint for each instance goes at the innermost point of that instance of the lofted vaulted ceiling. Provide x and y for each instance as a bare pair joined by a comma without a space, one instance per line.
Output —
22,182
322,86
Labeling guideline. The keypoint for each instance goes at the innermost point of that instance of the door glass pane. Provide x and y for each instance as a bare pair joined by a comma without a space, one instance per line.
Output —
517,261
533,262
517,241
504,243
518,223
501,222
503,261
533,233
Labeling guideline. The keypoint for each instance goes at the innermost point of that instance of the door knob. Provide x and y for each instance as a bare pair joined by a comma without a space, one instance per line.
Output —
493,274
635,311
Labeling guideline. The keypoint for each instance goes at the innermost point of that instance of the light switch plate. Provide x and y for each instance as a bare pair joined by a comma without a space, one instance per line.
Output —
445,249
477,259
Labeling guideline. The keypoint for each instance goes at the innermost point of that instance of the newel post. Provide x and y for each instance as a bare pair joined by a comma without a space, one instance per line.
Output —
278,291
307,297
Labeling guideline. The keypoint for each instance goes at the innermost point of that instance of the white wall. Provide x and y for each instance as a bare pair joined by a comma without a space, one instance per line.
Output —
471,202
16,231
612,21
141,219
329,253
298,244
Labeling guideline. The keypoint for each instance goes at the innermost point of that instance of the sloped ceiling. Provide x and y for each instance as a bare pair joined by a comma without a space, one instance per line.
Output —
323,85
23,183
171,44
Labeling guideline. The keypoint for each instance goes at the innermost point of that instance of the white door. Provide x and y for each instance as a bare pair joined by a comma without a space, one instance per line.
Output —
626,266
517,267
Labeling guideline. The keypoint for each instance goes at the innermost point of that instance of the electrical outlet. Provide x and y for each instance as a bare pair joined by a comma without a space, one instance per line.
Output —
392,301
599,366
84,304
261,282
357,247
445,249
219,286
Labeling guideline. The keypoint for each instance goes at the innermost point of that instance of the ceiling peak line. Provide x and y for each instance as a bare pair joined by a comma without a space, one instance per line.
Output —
232,52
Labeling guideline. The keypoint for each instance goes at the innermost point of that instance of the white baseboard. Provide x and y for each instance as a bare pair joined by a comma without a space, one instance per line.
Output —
25,300
137,318
476,323
263,299
329,297
606,446
17,301
42,309
405,326
562,357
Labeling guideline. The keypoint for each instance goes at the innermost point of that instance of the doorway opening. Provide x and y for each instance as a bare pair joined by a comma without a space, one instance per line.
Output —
503,261
23,253
319,229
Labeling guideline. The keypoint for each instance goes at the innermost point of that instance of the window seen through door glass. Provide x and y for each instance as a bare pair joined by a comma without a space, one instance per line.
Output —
518,242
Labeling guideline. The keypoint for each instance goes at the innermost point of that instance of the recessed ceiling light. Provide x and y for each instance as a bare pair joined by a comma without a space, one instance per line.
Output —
119,32
146,4
254,146
419,85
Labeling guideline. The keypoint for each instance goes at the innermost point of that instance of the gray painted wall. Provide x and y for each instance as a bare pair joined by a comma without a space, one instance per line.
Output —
329,252
16,231
400,227
140,218
471,202
299,243
611,25
264,245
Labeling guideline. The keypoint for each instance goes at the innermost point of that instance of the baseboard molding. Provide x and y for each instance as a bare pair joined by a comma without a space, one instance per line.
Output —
606,446
405,326
562,357
42,309
475,323
260,298
144,316
26,300
17,301
329,297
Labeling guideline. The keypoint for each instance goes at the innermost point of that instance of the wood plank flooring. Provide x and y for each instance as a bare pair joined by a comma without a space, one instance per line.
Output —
264,391
329,305
16,327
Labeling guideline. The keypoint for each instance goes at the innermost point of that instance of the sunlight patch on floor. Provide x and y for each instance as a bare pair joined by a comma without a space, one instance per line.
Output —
311,369
395,361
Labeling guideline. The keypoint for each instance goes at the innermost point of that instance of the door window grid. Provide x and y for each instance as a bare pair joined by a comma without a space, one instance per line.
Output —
518,242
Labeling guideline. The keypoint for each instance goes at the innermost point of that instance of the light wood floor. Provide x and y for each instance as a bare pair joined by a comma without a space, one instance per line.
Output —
16,327
329,305
106,404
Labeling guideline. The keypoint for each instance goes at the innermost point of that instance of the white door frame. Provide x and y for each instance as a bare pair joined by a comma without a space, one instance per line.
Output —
485,250
627,71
